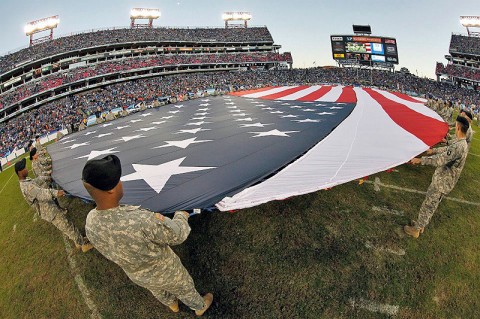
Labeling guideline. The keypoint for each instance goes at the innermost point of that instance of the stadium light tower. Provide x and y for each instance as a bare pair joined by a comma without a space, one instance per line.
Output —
143,14
37,26
230,17
471,22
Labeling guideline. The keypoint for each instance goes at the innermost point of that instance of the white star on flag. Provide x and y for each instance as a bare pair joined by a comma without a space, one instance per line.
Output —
134,121
255,125
261,105
290,115
200,118
285,103
247,119
326,113
236,111
107,124
122,127
256,102
146,114
167,117
194,131
204,104
295,107
230,103
335,108
129,138
182,144
240,114
276,112
69,141
307,121
174,112
268,108
309,110
94,154
156,176
231,107
319,104
157,123
146,129
201,114
102,135
273,133
204,109
92,132
77,145
178,106
197,123
206,100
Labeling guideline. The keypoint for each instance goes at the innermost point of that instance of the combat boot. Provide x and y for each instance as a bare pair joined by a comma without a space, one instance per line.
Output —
174,307
208,298
413,231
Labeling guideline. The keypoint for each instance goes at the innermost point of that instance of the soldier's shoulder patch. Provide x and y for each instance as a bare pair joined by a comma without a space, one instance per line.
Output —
159,216
449,152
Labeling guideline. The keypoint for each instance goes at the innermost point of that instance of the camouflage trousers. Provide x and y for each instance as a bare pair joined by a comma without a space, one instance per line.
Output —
169,281
58,218
429,206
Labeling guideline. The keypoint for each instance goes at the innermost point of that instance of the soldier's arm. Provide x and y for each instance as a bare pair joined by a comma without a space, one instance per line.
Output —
450,154
169,231
439,150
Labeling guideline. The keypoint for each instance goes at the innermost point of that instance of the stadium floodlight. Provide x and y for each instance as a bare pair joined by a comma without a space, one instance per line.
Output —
470,21
143,13
40,25
236,16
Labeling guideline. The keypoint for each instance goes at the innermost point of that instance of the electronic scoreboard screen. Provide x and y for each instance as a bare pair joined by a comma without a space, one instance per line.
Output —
364,49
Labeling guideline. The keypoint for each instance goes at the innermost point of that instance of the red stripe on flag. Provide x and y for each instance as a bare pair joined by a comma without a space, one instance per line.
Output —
425,128
241,93
286,92
406,97
315,95
348,95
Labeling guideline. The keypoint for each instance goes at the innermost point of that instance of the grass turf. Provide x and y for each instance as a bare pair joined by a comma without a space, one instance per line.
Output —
301,258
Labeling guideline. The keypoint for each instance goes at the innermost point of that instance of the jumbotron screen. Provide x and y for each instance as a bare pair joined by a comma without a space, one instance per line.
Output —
364,49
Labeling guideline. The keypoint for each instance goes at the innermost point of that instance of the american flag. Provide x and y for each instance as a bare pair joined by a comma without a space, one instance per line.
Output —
250,147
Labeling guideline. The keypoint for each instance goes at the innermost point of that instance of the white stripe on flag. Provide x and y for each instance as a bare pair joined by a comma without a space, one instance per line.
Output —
302,93
267,92
332,95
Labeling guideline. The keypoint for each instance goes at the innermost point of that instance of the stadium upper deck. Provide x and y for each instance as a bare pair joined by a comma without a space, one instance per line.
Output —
79,41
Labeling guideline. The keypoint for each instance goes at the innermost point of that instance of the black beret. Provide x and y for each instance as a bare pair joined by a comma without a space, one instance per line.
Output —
33,151
467,113
37,137
20,165
30,143
463,120
103,174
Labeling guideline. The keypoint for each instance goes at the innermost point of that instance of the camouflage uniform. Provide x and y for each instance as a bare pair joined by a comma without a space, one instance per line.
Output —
468,137
43,201
110,116
449,161
41,167
138,241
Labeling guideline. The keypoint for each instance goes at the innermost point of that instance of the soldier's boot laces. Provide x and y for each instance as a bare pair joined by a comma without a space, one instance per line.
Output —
208,298
174,307
413,231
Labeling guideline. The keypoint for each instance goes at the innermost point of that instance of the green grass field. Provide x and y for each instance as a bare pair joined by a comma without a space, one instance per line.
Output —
307,257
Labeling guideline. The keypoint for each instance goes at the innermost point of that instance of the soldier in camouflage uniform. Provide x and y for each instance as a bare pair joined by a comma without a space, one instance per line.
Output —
469,135
449,161
40,167
138,240
42,199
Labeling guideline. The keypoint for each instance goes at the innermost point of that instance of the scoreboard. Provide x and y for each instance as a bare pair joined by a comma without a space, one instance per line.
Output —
364,49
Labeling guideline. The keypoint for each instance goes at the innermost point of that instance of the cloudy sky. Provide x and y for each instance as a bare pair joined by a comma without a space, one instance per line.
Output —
422,28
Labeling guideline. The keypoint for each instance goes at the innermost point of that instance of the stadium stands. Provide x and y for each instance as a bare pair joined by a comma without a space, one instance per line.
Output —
465,44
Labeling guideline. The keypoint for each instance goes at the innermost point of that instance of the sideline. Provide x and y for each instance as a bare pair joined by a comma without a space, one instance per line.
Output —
80,283
374,306
409,190
6,184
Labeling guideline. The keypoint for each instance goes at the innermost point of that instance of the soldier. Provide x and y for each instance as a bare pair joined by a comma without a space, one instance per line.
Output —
40,167
449,161
469,135
138,240
43,201
110,116
82,125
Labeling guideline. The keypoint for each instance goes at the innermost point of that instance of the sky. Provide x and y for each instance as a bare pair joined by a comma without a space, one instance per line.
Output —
303,27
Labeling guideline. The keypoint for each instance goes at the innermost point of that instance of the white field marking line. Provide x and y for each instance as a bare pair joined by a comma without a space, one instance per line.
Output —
6,184
14,227
374,306
409,190
398,252
80,283
388,211
474,154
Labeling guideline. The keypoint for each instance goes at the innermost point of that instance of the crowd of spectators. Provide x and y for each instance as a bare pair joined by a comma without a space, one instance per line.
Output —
459,71
57,79
464,44
71,110
102,37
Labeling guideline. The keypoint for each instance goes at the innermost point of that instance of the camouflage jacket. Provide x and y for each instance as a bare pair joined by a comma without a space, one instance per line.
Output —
41,167
40,198
136,239
449,161
452,138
